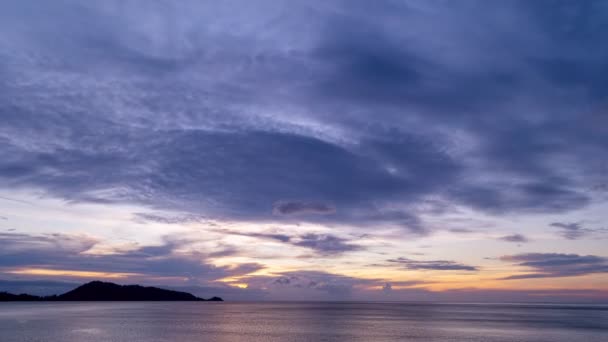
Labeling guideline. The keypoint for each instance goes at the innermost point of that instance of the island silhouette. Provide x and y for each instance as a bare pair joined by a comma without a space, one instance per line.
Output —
103,291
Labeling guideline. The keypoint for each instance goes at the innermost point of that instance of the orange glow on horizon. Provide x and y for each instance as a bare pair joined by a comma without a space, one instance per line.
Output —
71,273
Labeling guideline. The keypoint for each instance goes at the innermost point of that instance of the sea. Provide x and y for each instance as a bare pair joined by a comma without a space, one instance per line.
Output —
301,321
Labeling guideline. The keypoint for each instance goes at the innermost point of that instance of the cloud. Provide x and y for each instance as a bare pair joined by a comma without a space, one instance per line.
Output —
326,244
437,265
317,284
271,236
318,281
461,230
299,208
574,231
169,219
571,231
323,244
514,238
324,104
69,252
554,265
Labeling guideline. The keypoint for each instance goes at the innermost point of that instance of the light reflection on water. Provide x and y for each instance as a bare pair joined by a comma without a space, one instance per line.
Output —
164,322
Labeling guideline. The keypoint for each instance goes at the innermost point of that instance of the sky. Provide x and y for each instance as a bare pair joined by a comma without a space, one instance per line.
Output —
306,150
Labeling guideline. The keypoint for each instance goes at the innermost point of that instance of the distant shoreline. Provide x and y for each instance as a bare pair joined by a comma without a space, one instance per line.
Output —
97,291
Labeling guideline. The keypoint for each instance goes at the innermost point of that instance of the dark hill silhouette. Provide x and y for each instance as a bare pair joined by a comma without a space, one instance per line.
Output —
100,291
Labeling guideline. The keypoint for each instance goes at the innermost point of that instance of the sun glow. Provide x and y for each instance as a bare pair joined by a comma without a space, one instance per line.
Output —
71,273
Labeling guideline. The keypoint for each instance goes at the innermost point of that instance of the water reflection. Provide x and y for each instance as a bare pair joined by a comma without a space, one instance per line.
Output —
163,322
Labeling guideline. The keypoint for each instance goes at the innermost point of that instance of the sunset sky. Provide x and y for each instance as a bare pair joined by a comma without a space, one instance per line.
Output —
307,150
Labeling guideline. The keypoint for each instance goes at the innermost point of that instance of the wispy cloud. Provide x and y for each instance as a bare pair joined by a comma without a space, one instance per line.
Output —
169,219
461,230
301,208
65,255
519,238
323,244
326,244
554,265
575,231
437,265
268,235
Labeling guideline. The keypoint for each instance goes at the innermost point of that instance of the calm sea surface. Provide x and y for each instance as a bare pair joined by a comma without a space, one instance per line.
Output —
314,322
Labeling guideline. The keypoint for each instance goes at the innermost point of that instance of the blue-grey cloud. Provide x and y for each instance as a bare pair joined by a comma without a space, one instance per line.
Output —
554,265
271,236
326,244
461,230
323,244
299,208
571,231
514,238
437,265
66,252
575,230
190,107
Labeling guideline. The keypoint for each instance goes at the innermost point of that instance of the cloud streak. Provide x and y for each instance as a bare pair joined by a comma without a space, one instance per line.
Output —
555,265
301,208
323,244
575,231
66,253
519,238
436,265
326,244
